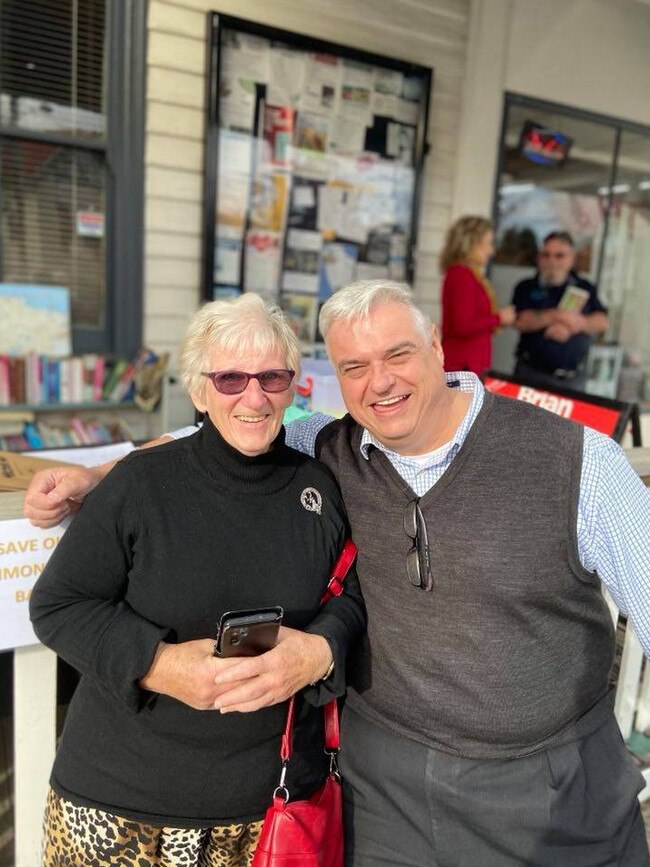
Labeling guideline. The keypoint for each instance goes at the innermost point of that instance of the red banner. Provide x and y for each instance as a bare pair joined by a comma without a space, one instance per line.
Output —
602,418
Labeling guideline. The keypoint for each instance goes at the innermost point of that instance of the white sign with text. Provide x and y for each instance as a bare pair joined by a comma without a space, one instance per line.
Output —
24,551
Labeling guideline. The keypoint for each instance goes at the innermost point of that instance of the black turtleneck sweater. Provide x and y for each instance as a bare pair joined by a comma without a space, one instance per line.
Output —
173,537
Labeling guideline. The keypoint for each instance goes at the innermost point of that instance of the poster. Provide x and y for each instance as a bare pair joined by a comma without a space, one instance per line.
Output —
269,201
286,77
301,312
278,132
356,91
234,178
304,203
228,253
238,96
312,132
400,142
245,55
262,262
348,135
340,211
35,319
301,261
388,84
322,84
397,257
337,268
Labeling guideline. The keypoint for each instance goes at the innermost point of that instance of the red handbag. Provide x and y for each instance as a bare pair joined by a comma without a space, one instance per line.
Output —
308,833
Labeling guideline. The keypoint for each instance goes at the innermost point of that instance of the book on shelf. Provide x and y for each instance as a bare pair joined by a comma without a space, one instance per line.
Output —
14,421
33,383
99,372
51,381
115,369
125,385
5,396
17,379
34,379
78,432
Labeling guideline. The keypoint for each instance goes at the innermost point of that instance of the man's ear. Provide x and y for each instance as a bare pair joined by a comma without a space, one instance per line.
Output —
437,344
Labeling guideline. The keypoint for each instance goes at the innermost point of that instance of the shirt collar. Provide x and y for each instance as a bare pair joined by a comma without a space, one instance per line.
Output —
461,379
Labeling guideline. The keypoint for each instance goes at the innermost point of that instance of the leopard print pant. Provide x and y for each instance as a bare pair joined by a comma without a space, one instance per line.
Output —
85,837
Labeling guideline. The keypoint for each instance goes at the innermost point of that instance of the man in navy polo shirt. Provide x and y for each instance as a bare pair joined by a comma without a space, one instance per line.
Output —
554,342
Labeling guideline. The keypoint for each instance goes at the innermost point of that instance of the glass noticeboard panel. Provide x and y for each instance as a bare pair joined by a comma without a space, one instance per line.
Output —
313,158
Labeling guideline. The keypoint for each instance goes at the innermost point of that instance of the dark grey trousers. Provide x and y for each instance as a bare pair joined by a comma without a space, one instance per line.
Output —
410,806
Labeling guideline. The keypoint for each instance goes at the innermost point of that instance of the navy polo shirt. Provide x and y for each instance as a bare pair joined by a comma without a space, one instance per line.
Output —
536,349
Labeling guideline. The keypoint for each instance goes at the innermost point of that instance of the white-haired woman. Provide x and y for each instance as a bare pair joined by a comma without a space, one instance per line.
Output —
149,772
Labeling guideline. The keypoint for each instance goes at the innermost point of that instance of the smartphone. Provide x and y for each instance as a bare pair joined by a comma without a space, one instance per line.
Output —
248,633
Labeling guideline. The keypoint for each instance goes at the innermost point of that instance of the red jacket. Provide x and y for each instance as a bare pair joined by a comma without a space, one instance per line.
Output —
467,321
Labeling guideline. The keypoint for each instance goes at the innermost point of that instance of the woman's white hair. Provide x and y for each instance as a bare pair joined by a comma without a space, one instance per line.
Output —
245,323
357,300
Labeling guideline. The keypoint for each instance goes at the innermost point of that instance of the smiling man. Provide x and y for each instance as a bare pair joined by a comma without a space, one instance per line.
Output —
479,727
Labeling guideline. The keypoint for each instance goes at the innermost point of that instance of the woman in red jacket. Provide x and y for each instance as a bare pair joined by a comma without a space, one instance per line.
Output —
469,310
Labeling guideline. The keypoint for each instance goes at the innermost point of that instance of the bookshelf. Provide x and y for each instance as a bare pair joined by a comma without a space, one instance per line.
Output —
135,424
82,400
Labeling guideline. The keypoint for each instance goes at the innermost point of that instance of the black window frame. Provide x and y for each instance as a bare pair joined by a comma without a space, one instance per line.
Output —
123,147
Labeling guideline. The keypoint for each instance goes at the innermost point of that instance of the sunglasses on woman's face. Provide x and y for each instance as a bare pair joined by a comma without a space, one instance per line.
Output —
236,381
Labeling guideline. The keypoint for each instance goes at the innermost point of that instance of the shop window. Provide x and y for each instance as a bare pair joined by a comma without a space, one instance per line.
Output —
53,202
569,170
66,93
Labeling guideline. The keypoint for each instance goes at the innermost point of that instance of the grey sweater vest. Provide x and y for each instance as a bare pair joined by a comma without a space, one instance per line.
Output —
512,650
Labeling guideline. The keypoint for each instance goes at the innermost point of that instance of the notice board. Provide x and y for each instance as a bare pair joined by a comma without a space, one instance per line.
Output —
314,156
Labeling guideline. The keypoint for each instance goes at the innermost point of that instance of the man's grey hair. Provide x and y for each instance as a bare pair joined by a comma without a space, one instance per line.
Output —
357,300
245,323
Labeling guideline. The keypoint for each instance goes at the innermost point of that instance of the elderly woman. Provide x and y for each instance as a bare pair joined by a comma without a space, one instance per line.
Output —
469,310
148,771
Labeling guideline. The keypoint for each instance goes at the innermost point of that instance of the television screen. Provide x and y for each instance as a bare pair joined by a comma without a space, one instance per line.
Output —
543,145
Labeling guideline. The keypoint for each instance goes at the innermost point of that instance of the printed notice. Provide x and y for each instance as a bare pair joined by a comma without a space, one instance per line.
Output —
24,551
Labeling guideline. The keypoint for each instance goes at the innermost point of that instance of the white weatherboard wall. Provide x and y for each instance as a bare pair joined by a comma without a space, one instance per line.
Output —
587,54
432,33
591,54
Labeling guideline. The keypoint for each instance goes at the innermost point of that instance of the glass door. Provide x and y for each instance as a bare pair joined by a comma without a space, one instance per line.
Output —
554,168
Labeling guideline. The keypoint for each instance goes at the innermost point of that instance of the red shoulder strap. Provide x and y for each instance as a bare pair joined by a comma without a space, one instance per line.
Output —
339,571
330,711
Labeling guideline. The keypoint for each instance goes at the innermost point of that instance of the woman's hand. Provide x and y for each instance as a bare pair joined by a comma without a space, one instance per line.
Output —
187,672
507,315
298,659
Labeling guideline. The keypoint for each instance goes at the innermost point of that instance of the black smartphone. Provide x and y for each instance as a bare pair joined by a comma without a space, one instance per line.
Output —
248,633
